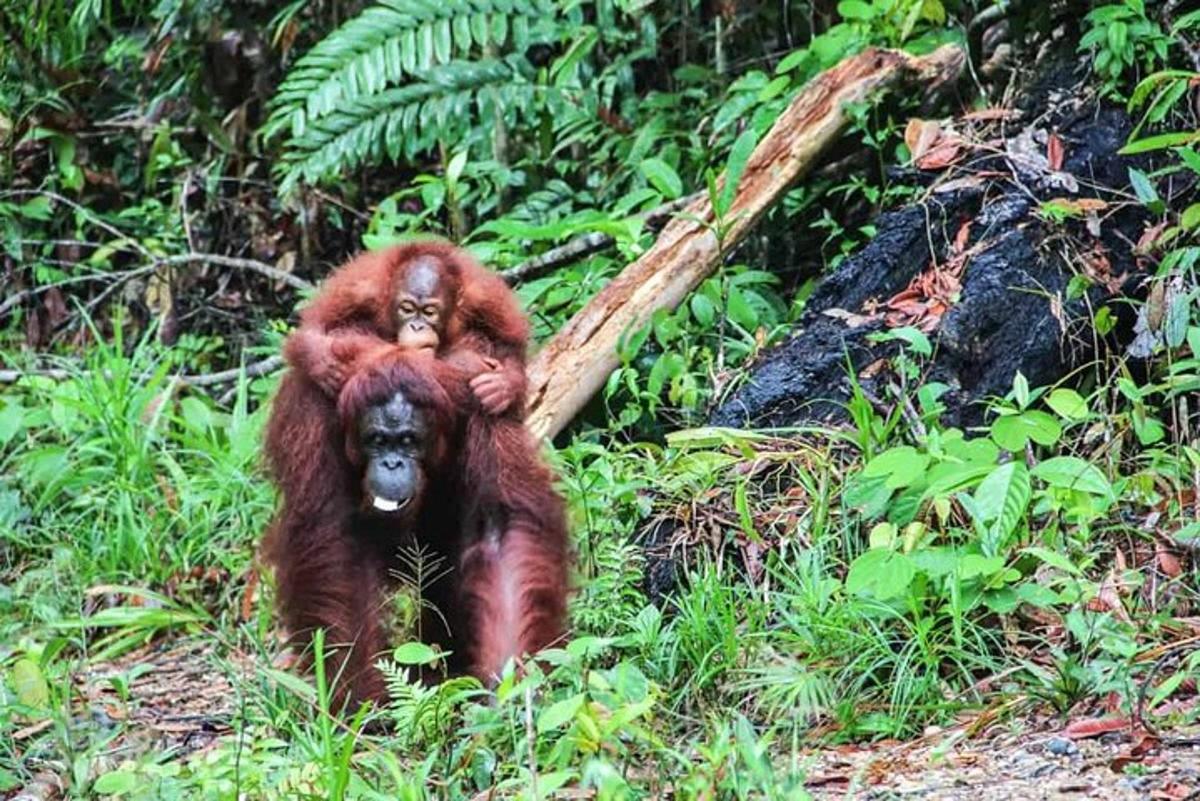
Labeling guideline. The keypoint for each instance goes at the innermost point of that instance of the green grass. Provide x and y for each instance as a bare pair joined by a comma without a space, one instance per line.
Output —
122,489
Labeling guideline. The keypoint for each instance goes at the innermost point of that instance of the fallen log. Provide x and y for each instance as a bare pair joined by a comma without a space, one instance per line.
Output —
574,365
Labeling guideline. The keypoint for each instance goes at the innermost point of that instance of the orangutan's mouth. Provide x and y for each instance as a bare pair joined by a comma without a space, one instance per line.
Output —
385,505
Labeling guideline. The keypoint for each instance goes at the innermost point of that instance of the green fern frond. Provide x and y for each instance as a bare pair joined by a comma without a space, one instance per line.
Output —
398,39
406,120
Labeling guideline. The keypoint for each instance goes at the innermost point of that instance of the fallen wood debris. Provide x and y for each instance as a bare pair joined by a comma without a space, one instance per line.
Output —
574,364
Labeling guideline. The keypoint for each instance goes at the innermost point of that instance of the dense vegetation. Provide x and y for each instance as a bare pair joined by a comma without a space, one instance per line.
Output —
173,172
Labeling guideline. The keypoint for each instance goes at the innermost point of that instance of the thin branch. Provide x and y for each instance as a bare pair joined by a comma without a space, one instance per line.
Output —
17,298
554,258
234,262
586,245
252,370
122,276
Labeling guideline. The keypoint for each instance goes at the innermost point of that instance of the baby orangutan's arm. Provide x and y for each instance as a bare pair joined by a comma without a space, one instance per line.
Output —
330,359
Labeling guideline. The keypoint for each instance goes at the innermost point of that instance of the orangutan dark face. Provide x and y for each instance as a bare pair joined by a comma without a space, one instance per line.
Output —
395,439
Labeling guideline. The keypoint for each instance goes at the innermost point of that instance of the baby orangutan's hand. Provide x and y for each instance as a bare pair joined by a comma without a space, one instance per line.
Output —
495,390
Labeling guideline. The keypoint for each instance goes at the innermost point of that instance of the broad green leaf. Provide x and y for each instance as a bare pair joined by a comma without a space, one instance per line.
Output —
1190,157
1145,191
1012,431
902,465
868,495
442,40
565,68
906,506
936,562
1190,217
1035,594
454,169
703,310
974,565
1070,472
916,339
1003,497
36,209
883,535
1068,404
974,451
792,60
739,154
1178,313
856,9
560,712
12,421
662,177
774,89
1002,601
1159,142
119,781
740,310
1021,389
29,684
414,653
879,573
1053,559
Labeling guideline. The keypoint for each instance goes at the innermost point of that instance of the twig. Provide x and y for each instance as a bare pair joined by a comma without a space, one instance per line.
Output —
18,298
253,265
531,741
252,370
576,249
586,245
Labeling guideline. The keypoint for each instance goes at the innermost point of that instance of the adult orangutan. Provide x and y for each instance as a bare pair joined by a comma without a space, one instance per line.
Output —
385,468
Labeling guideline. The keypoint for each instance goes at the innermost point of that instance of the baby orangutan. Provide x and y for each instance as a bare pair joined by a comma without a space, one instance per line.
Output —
420,296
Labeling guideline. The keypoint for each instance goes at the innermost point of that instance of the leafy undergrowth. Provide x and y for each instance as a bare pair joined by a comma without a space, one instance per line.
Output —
830,586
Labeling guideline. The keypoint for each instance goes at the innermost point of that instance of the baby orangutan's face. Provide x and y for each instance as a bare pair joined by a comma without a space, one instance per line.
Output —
422,305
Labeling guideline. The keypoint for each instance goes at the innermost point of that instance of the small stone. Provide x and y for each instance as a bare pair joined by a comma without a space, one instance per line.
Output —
1061,746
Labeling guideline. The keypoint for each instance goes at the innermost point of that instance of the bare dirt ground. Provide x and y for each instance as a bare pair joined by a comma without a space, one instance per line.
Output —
1028,760
177,698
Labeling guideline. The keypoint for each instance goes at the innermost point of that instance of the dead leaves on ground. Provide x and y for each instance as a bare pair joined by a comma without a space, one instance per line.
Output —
932,293
932,145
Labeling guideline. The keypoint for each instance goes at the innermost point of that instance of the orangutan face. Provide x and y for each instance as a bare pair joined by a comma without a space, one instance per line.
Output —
423,302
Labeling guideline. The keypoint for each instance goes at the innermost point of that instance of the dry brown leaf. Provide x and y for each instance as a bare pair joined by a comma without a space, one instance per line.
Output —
249,594
940,156
1094,727
158,297
1149,238
1055,152
154,58
1173,791
168,492
920,135
990,114
873,369
962,237
56,307
1168,562
1079,205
